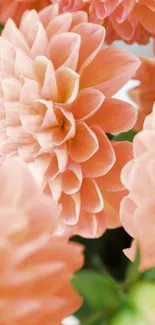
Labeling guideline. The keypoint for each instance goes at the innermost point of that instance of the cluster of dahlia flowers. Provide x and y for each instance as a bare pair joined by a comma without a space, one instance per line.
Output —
58,114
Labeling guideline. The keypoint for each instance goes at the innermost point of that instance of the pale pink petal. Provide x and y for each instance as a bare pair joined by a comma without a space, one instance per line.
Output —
40,45
127,210
49,13
28,151
64,50
144,142
55,185
126,172
30,92
16,38
59,25
11,88
23,65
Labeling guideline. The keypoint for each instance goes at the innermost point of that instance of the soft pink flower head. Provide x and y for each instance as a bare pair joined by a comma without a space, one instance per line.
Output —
15,8
35,266
138,208
130,20
56,80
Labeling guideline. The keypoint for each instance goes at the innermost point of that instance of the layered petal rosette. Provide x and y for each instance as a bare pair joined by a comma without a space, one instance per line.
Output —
35,266
130,20
15,8
56,83
138,209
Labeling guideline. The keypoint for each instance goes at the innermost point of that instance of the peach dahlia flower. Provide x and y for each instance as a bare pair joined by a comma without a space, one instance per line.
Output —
130,20
144,93
15,8
56,80
35,266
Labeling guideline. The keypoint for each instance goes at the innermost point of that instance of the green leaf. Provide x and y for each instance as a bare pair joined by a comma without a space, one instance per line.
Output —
1,27
99,291
132,274
129,316
149,275
126,136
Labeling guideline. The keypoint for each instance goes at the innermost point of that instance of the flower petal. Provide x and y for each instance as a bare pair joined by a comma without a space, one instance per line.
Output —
91,197
71,205
72,178
91,225
87,103
112,180
84,144
109,76
103,160
64,50
59,25
68,84
112,206
92,38
115,116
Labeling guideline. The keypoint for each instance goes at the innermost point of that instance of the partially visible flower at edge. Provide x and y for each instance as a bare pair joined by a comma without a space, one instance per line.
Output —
15,8
138,208
129,20
35,265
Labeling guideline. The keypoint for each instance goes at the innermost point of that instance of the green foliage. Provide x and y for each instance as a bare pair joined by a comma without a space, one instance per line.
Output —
1,27
101,295
132,274
128,316
126,136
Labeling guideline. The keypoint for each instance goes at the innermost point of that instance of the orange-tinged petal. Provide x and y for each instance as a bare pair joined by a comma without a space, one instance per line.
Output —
84,144
91,197
87,103
110,77
71,205
115,116
103,160
72,178
92,38
112,180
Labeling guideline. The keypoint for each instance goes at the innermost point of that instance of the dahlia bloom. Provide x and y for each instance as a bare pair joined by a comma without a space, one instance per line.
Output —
56,80
138,208
144,93
35,266
130,20
15,8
